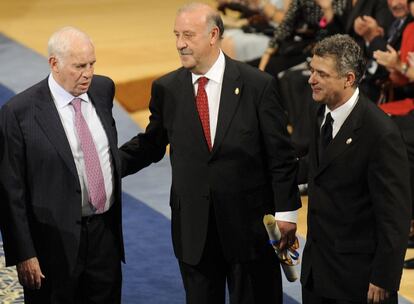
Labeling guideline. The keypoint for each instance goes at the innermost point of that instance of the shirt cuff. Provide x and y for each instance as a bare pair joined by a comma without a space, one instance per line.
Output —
287,216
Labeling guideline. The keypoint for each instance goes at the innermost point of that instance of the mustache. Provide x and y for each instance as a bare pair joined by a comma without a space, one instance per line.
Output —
398,7
185,52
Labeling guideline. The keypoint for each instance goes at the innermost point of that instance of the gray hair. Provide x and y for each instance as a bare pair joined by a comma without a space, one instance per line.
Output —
213,18
345,51
60,41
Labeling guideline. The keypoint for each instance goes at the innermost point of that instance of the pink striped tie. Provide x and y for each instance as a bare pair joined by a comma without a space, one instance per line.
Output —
95,180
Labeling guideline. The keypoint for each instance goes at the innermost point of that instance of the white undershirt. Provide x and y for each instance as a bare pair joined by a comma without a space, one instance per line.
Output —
66,112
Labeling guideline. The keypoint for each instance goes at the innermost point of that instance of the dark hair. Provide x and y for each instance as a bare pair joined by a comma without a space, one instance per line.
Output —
214,19
346,52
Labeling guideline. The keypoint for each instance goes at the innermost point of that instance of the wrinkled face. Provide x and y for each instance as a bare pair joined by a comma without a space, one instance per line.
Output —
194,41
327,86
399,8
74,71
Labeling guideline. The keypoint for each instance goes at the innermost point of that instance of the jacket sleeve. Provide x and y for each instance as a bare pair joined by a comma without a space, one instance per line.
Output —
388,179
282,164
17,239
147,147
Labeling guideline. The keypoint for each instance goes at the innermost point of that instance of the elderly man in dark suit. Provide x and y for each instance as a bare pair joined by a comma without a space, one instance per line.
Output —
60,171
359,187
232,163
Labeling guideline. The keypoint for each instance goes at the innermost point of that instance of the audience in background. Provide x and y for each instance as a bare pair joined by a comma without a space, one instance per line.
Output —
377,38
247,37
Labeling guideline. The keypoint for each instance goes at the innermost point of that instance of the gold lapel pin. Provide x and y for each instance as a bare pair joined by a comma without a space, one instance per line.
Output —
237,91
349,141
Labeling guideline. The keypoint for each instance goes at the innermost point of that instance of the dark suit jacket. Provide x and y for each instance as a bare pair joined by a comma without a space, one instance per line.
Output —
42,203
359,207
249,172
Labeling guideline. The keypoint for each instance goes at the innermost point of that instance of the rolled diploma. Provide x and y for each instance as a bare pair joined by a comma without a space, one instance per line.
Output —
273,231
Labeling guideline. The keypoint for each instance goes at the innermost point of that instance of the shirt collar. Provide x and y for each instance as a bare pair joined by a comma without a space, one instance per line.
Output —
342,112
215,73
60,95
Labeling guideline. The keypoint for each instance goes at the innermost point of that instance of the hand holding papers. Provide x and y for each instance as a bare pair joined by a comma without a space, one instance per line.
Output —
288,258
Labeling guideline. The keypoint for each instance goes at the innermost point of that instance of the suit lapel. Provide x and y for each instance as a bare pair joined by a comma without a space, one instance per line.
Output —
346,137
230,95
48,118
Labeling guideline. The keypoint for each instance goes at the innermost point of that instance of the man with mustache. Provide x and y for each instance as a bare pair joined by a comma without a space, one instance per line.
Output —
357,170
232,163
60,174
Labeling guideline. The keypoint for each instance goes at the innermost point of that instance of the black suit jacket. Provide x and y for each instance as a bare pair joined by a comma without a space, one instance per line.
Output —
359,207
41,209
249,172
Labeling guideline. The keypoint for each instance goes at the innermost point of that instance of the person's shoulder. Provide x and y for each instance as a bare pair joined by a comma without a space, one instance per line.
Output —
25,98
171,77
102,80
410,26
249,73
376,119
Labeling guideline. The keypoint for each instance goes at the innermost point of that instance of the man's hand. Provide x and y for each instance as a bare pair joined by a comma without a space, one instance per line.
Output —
29,273
288,232
368,28
376,294
388,59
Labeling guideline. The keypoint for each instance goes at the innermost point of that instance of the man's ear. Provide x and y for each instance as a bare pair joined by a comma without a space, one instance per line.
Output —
349,79
53,63
214,35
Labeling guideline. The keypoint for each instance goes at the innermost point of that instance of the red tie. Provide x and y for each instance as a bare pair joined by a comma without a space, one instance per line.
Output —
202,108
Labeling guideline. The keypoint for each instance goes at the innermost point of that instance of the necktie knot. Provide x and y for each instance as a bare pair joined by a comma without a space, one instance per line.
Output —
76,103
328,119
202,81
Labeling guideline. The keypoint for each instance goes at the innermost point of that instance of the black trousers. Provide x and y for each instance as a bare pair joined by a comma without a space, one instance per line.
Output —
308,297
253,282
97,275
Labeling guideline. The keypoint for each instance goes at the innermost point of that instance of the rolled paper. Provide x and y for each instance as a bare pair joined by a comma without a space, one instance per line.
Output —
288,258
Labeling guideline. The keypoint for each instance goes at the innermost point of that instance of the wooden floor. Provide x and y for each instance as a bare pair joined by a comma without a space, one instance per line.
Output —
134,44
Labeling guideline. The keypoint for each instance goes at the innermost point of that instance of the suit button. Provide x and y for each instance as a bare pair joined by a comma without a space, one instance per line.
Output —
206,197
313,211
78,191
314,240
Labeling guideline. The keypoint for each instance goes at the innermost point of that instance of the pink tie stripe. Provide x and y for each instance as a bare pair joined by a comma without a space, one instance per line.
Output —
95,180
202,108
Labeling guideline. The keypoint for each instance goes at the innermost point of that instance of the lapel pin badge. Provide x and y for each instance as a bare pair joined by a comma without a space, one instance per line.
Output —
237,91
349,141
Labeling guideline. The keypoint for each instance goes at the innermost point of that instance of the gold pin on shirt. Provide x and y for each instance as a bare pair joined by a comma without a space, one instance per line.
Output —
237,91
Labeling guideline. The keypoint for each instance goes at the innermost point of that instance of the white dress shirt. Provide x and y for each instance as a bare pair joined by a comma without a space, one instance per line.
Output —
341,113
213,91
66,112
